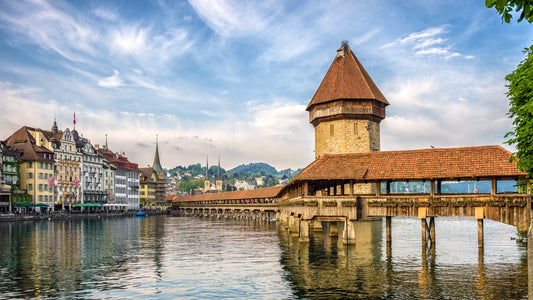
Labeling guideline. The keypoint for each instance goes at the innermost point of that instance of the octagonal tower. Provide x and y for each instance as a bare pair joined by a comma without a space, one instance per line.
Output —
347,108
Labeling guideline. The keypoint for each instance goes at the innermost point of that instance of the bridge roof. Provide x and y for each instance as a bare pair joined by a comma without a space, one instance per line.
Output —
269,192
465,163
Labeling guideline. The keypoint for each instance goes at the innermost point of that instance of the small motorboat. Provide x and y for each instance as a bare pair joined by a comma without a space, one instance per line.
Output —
140,214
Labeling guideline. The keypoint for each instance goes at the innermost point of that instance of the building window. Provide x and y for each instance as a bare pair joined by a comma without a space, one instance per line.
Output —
29,175
30,164
331,130
29,186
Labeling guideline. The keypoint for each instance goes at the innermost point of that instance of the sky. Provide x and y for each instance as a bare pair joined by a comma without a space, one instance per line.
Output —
232,78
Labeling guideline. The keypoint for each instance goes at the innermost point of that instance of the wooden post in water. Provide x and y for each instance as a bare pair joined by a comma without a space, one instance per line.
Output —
480,215
422,215
432,229
424,231
388,226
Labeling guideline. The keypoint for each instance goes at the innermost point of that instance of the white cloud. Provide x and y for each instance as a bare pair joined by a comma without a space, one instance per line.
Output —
231,17
427,43
279,118
111,81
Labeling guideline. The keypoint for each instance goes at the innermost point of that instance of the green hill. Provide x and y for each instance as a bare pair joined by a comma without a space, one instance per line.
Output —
255,168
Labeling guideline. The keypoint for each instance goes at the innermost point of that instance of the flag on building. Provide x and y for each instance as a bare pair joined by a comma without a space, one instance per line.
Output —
51,181
76,182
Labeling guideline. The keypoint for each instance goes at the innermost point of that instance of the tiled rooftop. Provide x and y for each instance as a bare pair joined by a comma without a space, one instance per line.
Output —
442,163
346,79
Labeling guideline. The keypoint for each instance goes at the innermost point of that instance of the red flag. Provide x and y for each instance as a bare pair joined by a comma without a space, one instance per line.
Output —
51,181
76,182
74,118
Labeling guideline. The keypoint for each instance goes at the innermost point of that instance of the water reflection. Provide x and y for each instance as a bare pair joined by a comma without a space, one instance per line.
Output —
404,269
165,257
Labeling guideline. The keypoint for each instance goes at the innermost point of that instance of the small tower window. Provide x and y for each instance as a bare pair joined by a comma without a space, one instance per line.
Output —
331,130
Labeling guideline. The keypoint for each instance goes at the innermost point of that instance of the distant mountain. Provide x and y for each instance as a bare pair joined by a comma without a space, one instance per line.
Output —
256,168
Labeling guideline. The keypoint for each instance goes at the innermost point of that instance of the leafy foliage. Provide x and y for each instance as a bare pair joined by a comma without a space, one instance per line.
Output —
505,7
258,168
521,111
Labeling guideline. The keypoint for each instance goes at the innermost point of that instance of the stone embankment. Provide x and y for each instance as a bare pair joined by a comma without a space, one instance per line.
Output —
70,216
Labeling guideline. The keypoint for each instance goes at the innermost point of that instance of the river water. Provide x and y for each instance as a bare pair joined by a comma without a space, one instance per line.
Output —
163,257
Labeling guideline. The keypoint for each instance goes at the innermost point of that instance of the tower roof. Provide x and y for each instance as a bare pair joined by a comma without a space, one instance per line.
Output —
157,165
346,79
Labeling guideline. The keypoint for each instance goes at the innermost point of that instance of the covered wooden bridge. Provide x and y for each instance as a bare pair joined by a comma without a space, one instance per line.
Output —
343,188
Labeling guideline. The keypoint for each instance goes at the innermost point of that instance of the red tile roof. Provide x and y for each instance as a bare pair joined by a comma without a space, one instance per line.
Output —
443,163
270,192
24,142
346,79
118,160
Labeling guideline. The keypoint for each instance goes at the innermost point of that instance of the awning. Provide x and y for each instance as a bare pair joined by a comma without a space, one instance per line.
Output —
31,205
88,205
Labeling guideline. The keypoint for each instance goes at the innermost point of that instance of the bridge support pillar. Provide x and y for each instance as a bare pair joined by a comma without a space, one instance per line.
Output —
348,236
317,226
480,215
432,229
333,229
304,231
291,223
388,228
295,228
480,241
278,216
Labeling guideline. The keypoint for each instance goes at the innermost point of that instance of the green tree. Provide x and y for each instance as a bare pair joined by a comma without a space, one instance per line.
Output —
505,7
520,95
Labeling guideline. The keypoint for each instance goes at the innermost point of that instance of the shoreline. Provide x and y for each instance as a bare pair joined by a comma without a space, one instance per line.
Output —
72,216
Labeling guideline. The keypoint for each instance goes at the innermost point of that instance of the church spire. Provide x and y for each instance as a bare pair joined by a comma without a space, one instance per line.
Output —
207,168
54,128
218,171
157,164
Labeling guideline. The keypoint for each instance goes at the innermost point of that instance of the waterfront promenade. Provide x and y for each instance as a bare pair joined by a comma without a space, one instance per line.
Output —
73,215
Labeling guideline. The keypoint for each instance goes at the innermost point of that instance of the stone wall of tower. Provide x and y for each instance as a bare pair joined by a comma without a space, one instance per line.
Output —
346,136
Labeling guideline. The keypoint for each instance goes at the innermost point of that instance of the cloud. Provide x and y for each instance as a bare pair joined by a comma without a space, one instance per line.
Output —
427,43
142,145
111,81
56,28
235,18
281,118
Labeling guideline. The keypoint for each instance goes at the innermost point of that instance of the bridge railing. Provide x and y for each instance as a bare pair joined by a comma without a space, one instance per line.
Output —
450,199
512,199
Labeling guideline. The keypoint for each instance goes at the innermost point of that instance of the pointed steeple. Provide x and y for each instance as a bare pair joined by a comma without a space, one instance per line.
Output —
54,127
218,171
207,168
157,164
106,142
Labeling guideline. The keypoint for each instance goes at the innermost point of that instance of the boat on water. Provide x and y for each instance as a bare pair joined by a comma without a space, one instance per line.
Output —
140,214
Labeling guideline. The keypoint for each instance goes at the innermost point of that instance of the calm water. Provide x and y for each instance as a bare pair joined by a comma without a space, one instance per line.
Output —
190,258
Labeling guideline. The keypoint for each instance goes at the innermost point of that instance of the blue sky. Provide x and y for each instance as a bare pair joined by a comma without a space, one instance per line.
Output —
233,78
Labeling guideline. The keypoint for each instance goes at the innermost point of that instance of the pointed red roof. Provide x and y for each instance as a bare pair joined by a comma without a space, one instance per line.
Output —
346,79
